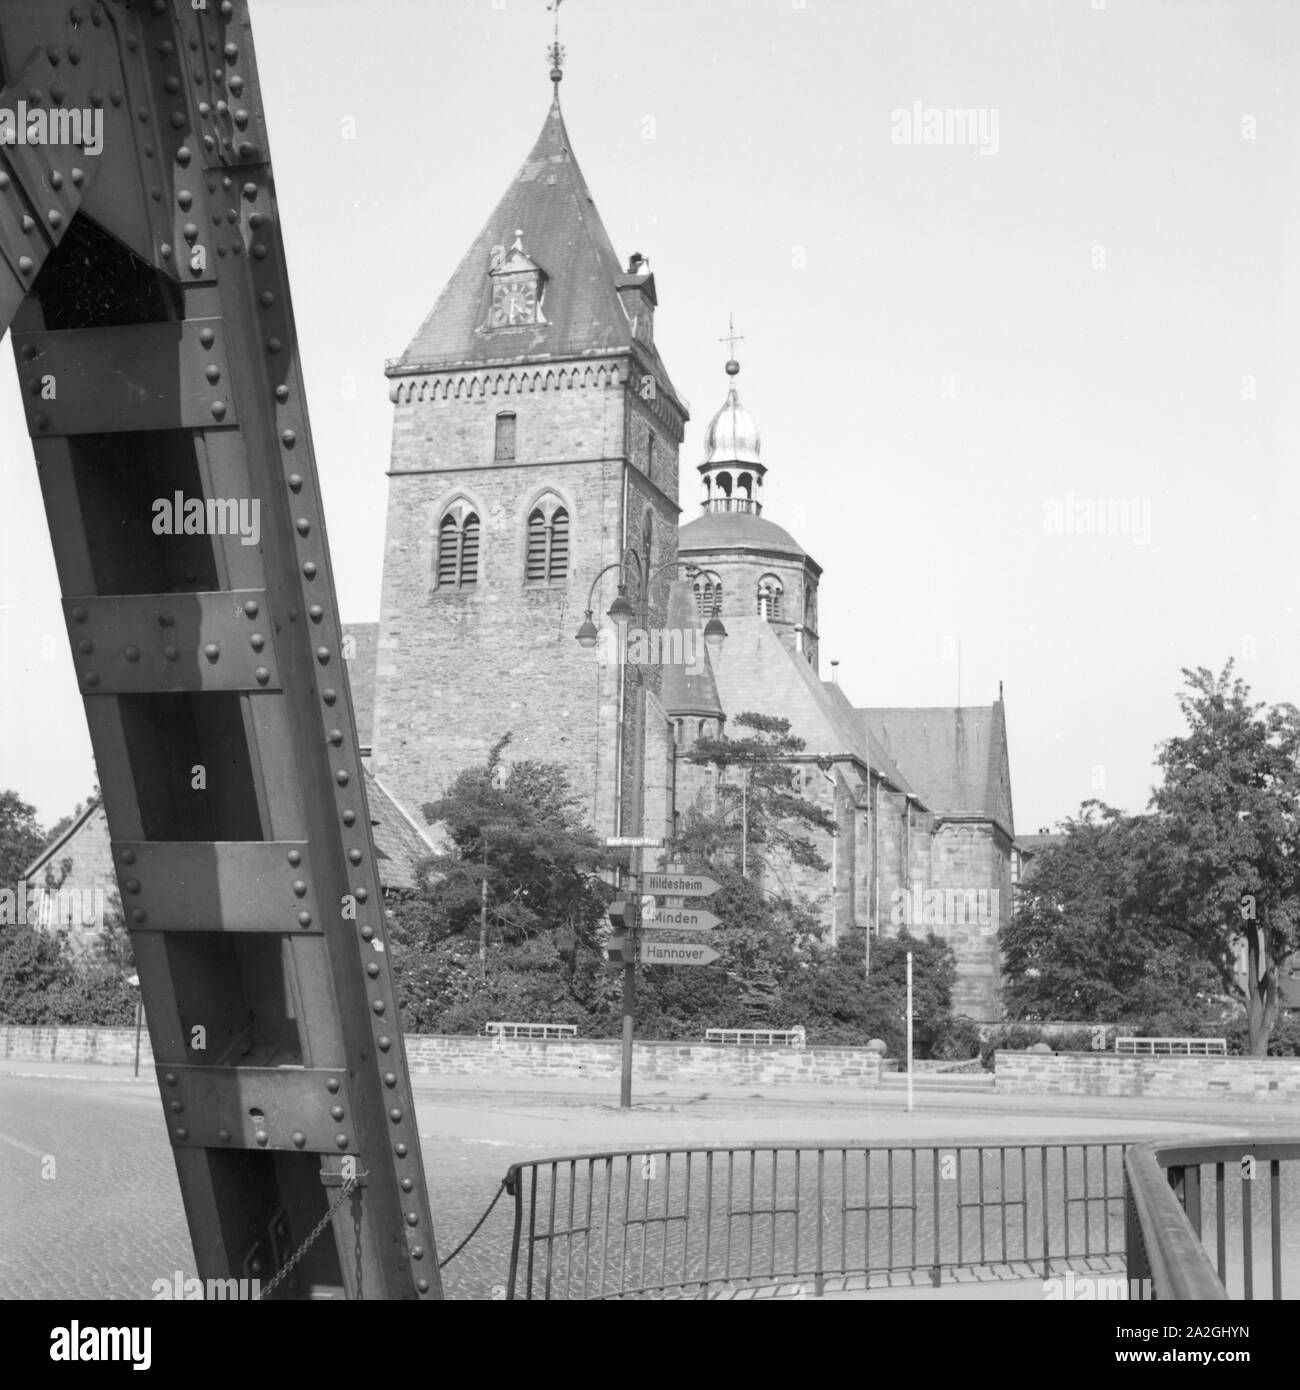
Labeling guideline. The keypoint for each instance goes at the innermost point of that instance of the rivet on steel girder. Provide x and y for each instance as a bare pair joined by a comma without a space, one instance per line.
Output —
390,1078
79,614
304,919
262,1136
282,393
91,678
132,885
26,264
56,178
336,1112
412,1218
395,1114
299,887
354,855
378,1005
385,1042
165,250
341,1140
372,970
257,641
294,857
400,1150
132,653
273,345
332,1084
299,1139
184,155
170,1078
177,1106
422,1285
295,483
207,337
322,655
138,914
407,1184
78,178
360,894
309,569
224,1135
85,646
417,1252
182,1133
127,856
349,818
329,695
315,612
218,410
212,651
288,438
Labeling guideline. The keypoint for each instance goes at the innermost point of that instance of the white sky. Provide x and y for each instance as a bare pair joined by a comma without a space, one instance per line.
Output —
931,352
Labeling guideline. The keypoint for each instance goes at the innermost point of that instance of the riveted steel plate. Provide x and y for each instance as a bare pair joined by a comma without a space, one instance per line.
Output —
131,644
194,885
258,1108
150,376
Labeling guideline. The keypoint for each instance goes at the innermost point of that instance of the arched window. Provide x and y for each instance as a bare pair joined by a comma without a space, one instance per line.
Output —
708,596
546,559
456,566
769,597
505,439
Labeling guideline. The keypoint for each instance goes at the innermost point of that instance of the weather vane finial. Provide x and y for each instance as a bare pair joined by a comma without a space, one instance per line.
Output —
731,339
556,50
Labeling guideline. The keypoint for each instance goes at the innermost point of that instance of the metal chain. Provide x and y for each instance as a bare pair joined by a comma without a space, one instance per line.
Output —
349,1186
442,1264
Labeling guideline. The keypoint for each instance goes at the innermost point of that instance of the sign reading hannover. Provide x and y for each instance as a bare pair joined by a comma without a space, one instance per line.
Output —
676,953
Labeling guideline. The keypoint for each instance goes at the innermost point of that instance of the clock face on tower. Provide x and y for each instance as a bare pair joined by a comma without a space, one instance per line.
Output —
514,301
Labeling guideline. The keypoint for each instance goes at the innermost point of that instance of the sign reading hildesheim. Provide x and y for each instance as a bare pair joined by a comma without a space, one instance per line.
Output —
680,885
676,953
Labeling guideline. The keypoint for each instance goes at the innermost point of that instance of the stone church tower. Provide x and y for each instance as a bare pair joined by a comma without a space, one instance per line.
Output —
535,446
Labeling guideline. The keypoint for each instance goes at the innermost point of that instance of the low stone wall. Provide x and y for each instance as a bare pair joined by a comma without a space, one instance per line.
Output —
1105,1074
523,1058
651,1061
103,1045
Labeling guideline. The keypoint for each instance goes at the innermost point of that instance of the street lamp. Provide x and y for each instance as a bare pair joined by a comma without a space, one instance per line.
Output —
622,613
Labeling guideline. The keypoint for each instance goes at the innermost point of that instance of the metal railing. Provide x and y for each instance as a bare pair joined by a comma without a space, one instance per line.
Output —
1165,1187
1172,1047
708,1223
758,1037
531,1030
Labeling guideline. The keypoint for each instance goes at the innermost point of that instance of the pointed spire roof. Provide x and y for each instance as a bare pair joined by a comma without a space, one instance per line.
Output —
549,210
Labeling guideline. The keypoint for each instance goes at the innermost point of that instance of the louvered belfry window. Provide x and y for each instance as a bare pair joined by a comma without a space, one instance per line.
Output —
536,568
546,560
458,541
557,566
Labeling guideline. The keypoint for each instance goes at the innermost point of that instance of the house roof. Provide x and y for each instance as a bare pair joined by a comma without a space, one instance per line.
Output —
400,843
954,756
549,204
62,838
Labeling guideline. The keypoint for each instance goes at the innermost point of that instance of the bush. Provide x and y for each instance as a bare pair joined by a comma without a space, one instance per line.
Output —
1016,1037
43,984
958,1041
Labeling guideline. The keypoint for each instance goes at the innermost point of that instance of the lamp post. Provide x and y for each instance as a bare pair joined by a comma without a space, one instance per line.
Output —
134,982
622,613
824,767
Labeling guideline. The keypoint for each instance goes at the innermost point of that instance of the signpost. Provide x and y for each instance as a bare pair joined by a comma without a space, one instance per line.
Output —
687,918
676,953
633,842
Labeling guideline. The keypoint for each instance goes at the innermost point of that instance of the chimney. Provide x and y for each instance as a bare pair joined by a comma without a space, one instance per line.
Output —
835,672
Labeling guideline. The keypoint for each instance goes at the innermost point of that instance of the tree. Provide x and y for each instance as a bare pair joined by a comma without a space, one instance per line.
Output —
1227,863
761,798
21,838
1089,940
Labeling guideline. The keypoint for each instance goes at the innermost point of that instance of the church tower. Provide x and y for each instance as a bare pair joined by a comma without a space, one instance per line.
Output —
751,566
535,446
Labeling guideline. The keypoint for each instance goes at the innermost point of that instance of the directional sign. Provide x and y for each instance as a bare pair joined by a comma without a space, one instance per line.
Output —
683,918
680,885
676,953
633,842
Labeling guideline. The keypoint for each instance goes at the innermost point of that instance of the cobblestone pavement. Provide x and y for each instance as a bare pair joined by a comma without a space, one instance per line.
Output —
106,1220
90,1207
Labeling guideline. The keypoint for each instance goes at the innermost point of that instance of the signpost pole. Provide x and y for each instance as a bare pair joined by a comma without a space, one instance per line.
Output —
629,987
909,1032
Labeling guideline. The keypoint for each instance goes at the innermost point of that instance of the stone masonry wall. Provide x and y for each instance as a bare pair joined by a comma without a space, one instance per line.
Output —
474,1056
1105,1074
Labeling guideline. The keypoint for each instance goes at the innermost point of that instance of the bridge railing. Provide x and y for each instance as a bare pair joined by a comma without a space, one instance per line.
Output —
1172,1047
707,1223
1250,1188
